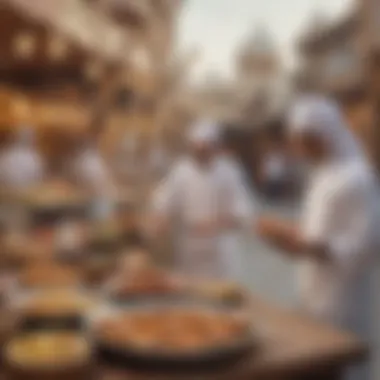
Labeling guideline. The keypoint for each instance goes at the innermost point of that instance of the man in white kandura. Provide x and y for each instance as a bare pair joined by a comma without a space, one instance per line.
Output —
21,165
205,203
88,168
336,238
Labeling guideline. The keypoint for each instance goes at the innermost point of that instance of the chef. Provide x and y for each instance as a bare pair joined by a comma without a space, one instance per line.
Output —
88,168
203,201
21,165
336,237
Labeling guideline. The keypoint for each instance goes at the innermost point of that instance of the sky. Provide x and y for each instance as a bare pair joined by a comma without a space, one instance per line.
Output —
217,27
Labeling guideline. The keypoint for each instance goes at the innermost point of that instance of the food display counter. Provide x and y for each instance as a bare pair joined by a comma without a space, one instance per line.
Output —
285,345
291,347
273,344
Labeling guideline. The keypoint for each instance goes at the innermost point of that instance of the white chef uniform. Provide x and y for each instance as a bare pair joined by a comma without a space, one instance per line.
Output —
193,196
340,211
21,165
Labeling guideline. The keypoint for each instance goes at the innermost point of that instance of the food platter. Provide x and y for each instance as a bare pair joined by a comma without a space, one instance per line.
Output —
48,275
54,308
48,355
49,202
172,351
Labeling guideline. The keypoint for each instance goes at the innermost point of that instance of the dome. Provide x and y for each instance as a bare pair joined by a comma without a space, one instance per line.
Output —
260,42
258,53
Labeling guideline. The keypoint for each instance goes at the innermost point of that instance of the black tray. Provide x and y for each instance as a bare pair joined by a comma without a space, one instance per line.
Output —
38,323
47,215
211,360
156,360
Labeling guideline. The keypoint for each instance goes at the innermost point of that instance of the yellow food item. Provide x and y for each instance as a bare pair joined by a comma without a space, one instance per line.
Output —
58,302
172,329
222,291
51,194
47,349
48,275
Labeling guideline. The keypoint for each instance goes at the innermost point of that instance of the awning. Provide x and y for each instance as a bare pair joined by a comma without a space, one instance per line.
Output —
139,8
80,23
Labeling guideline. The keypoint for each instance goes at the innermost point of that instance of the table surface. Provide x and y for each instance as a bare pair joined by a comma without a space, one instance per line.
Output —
290,344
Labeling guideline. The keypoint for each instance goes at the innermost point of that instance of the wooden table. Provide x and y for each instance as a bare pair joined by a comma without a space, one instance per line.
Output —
293,347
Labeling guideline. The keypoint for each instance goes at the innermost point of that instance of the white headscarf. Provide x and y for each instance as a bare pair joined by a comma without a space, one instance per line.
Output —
204,131
322,117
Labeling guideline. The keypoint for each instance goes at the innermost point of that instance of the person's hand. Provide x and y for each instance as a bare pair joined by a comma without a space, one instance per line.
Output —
269,227
282,234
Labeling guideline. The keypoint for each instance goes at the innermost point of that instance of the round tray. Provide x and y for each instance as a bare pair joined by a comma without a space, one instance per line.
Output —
81,370
70,320
47,214
160,360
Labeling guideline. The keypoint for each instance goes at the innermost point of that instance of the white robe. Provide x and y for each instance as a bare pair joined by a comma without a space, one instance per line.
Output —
20,167
233,238
341,212
193,197
89,170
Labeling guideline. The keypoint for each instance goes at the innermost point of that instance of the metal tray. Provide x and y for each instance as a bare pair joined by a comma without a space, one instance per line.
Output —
161,360
72,321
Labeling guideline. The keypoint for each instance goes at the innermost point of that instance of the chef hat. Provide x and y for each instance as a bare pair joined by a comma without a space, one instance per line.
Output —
322,116
204,131
315,114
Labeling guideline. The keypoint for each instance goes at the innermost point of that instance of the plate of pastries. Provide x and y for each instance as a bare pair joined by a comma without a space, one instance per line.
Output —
51,194
58,308
54,355
172,334
45,275
138,277
47,348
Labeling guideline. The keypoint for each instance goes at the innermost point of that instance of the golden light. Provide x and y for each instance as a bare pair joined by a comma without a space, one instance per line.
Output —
24,45
57,48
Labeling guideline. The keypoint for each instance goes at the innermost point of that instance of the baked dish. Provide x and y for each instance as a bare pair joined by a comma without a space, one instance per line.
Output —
51,194
57,303
171,330
152,282
219,291
47,349
44,275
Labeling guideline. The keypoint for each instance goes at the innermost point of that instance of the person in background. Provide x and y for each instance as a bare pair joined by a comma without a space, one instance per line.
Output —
203,201
233,238
158,160
125,160
21,165
336,237
87,168
229,159
274,172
